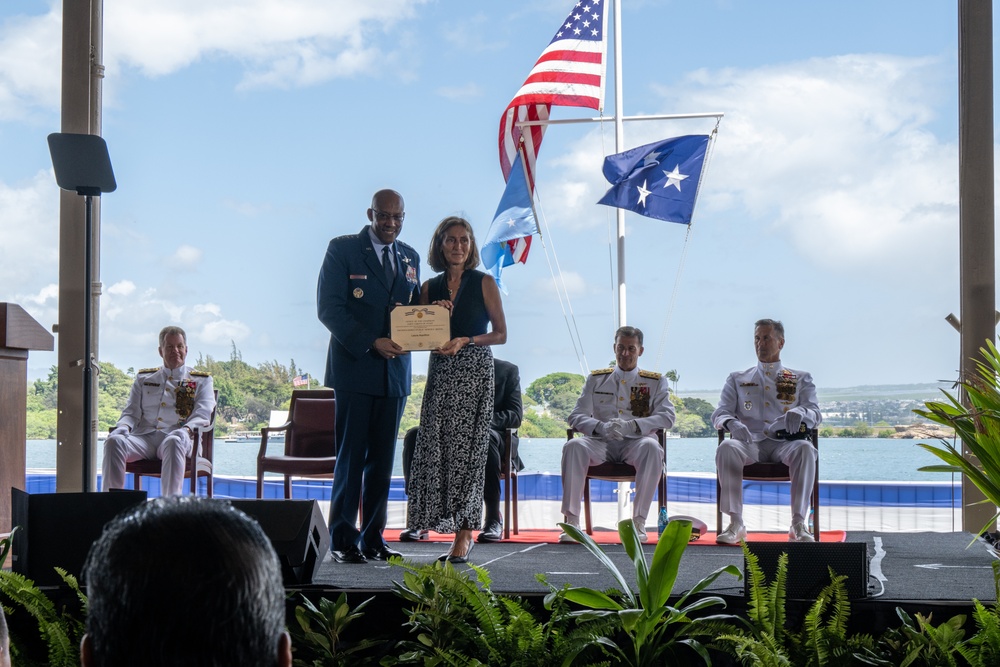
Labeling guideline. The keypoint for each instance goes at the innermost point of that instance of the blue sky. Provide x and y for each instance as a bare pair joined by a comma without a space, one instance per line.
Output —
246,133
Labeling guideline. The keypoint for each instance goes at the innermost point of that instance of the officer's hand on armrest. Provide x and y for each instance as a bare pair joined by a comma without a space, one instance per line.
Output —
738,431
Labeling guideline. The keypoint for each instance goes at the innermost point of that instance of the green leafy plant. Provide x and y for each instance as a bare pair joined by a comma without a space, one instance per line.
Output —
822,640
983,648
654,632
318,634
977,425
920,643
60,628
457,620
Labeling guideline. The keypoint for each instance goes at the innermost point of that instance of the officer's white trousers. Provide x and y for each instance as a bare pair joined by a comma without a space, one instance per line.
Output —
172,448
644,453
731,455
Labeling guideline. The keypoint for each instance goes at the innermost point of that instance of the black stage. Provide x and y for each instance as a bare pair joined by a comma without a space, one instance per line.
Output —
937,573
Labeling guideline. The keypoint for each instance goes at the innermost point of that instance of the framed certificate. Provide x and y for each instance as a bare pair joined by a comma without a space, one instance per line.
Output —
416,328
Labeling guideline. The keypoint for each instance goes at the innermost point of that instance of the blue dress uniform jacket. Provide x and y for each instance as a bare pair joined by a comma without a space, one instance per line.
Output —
354,299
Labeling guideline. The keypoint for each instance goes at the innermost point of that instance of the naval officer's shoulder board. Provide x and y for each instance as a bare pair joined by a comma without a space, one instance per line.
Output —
602,371
649,375
146,371
201,374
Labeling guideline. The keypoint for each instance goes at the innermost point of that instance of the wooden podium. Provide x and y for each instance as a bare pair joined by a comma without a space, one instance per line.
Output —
19,333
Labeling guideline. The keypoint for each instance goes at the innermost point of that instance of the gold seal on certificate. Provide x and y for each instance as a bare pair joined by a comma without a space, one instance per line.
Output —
416,328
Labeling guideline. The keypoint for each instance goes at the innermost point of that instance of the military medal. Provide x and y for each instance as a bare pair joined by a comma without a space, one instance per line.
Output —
786,383
639,401
185,398
358,292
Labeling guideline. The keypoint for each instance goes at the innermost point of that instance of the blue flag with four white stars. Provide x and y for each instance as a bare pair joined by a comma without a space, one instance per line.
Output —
658,180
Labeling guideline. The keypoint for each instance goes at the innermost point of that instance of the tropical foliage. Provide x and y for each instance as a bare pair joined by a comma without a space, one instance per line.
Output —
977,425
652,631
60,627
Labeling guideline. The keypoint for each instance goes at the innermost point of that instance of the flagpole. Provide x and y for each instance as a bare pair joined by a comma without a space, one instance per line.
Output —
619,147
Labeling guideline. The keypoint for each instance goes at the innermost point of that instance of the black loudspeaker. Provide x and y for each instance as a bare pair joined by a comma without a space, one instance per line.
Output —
808,566
57,529
297,531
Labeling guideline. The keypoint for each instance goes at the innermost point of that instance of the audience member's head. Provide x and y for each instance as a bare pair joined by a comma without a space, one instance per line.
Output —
184,581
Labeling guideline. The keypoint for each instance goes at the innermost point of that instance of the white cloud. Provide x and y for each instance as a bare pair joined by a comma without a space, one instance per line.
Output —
280,44
186,255
461,93
30,50
833,152
122,288
29,227
291,43
221,332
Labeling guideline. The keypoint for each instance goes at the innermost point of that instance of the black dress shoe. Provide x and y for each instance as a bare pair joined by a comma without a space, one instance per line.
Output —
493,532
381,553
350,555
413,535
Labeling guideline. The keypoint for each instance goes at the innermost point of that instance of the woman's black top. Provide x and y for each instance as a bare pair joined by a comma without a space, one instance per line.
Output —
468,316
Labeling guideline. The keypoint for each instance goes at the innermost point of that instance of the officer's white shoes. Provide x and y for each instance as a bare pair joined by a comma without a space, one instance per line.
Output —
564,537
734,534
799,533
640,528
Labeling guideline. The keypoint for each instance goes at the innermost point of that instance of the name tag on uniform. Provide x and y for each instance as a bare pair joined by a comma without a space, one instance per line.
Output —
358,276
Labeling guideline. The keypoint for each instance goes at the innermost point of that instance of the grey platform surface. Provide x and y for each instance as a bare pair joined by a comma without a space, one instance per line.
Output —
926,567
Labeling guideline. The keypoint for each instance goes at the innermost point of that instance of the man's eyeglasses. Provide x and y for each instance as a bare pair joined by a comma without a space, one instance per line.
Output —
385,217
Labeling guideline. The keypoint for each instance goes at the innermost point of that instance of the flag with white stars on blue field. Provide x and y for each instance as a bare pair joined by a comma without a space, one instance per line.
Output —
506,242
658,180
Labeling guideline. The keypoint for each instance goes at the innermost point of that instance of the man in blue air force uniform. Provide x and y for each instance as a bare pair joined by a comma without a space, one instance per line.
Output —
363,277
768,411
618,413
165,408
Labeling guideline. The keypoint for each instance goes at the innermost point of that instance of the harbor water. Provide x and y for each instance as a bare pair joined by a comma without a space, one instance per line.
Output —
841,459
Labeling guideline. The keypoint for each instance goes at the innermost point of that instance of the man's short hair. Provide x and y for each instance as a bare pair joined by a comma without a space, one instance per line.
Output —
778,327
184,581
172,331
629,332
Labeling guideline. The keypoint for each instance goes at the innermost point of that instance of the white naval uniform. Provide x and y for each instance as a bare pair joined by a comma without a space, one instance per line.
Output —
759,397
608,394
156,428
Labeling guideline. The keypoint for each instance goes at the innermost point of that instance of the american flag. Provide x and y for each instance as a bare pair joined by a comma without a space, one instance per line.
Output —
570,72
300,380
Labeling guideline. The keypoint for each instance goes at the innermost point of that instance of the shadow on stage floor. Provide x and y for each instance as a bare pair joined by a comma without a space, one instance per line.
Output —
920,572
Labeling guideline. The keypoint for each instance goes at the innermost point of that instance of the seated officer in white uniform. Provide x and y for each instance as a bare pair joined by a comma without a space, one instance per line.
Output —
768,411
618,413
164,408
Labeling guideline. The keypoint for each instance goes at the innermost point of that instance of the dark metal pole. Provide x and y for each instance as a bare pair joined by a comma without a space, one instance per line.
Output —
88,358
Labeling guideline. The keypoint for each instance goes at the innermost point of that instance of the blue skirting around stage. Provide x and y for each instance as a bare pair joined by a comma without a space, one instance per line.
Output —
548,486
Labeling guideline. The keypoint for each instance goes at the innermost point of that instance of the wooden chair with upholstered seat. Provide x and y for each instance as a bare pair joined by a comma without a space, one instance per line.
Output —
772,472
199,463
620,472
310,439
